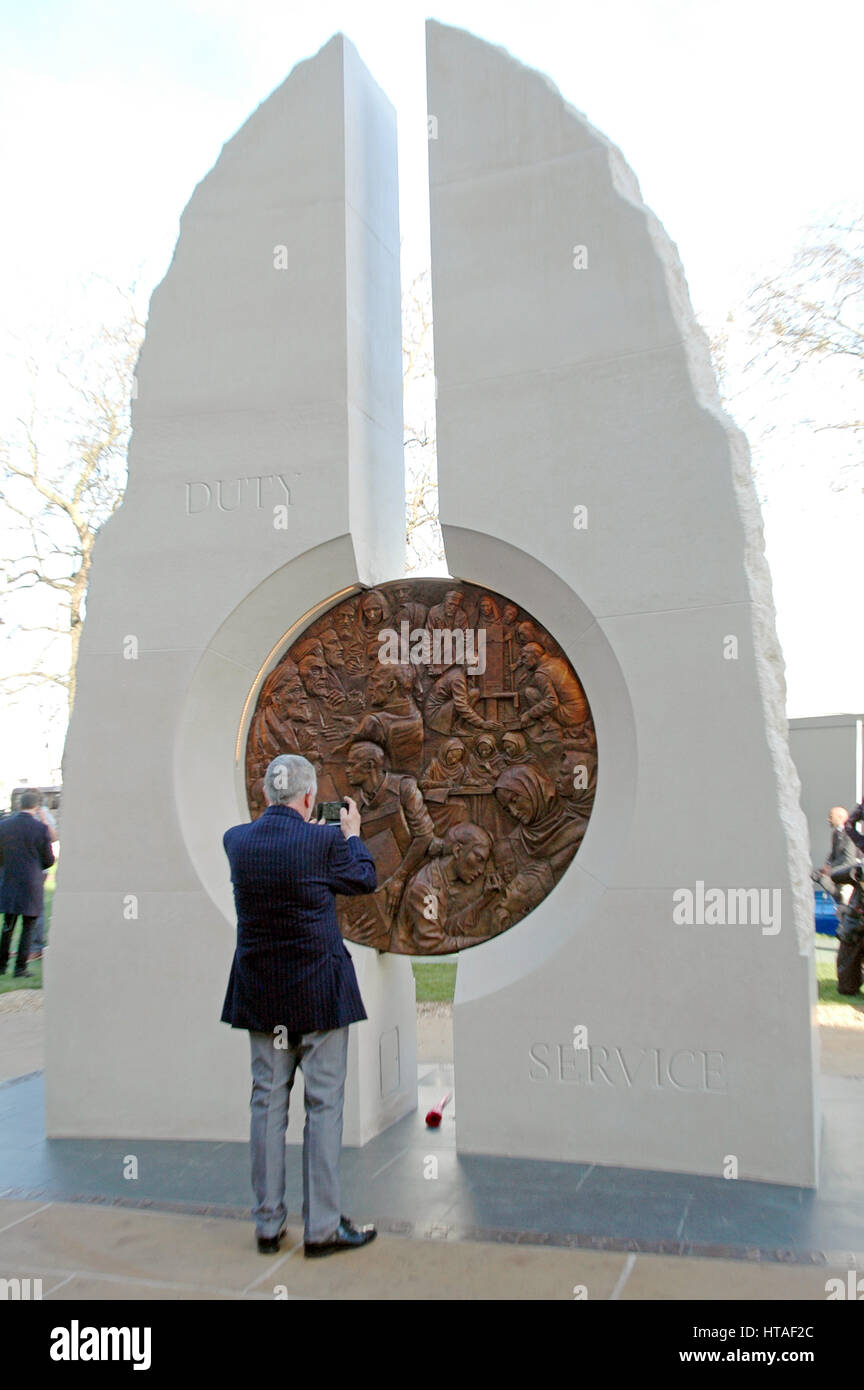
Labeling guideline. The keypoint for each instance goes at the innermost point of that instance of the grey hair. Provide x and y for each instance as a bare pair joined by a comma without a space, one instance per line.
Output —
288,777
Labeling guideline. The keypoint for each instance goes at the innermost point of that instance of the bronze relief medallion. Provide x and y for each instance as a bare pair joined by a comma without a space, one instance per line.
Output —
460,728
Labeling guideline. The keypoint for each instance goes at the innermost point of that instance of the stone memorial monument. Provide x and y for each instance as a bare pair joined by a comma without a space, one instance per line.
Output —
586,467
265,474
570,756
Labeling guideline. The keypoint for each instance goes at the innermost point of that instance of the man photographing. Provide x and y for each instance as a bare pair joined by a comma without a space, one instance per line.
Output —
293,987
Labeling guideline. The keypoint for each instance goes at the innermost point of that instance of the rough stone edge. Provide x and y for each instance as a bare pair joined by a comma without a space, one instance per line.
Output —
768,655
767,652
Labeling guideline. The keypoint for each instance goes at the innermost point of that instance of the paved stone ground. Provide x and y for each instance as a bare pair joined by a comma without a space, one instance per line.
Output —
434,1032
22,1033
85,1252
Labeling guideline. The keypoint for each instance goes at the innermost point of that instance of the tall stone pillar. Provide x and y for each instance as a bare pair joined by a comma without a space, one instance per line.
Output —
587,470
265,475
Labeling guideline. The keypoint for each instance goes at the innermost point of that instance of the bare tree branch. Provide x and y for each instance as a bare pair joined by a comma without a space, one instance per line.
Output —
64,492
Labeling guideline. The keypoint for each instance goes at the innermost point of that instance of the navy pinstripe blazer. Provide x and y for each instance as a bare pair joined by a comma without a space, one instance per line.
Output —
291,966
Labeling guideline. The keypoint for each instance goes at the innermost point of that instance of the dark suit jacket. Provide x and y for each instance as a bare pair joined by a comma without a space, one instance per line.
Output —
291,966
854,834
25,850
842,850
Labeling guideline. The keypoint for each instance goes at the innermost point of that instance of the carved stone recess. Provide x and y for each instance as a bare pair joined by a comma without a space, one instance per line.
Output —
462,731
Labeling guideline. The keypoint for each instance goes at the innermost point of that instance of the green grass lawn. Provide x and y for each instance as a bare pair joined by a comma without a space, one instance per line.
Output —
8,981
826,974
435,980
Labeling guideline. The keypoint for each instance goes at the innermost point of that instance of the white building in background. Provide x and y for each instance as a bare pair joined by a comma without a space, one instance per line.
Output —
828,752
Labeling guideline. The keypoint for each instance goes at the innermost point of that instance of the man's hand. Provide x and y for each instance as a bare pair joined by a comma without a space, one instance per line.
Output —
393,891
350,818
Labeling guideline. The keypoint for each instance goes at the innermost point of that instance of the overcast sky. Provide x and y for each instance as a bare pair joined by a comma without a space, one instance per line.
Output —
741,119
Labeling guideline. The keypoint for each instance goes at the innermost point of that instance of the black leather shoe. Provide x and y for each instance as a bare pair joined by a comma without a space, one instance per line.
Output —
347,1237
269,1245
23,975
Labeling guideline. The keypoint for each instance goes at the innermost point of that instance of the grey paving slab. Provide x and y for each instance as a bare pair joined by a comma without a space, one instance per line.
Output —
473,1196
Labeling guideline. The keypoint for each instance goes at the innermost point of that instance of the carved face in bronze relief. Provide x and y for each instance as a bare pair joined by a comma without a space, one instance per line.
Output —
462,731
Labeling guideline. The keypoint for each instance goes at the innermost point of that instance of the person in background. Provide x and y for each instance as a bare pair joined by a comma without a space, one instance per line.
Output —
842,851
847,879
832,877
37,945
855,819
25,853
850,932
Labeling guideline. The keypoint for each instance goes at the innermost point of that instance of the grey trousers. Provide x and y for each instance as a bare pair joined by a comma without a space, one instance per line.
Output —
322,1057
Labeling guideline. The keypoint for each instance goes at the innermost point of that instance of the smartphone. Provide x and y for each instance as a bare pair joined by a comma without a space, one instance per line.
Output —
329,811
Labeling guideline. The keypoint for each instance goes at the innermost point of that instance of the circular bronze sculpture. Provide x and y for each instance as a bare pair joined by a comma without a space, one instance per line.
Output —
462,731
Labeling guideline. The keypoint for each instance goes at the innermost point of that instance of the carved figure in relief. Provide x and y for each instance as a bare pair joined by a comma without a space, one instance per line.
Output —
396,823
555,701
440,907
